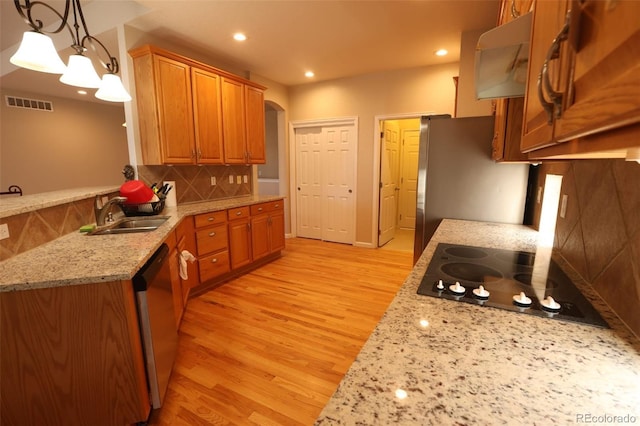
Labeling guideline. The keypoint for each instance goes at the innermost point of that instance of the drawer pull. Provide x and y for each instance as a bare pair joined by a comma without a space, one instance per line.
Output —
214,260
238,213
211,219
259,209
276,206
212,234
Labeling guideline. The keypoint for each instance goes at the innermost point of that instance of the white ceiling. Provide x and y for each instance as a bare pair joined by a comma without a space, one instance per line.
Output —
335,39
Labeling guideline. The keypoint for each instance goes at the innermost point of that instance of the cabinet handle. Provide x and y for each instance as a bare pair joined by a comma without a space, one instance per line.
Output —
210,219
193,153
214,260
199,154
276,205
212,234
259,209
515,13
238,213
544,82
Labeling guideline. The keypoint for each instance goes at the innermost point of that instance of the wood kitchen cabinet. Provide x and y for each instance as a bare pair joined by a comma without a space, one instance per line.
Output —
72,355
267,228
239,237
192,113
589,100
207,117
243,117
212,245
508,111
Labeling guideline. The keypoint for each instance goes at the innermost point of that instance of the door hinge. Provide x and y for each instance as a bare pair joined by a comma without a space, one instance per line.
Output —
381,135
379,232
380,185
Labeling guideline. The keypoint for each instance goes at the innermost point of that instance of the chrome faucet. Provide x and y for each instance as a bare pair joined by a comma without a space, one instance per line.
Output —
101,210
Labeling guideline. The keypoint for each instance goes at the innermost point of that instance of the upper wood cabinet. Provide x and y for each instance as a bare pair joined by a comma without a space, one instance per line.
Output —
583,88
507,133
243,117
207,117
192,113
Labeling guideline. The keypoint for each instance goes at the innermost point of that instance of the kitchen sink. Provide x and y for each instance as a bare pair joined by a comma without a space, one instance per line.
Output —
131,225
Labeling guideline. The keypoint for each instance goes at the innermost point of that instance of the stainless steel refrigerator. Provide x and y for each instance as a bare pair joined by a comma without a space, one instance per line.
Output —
457,179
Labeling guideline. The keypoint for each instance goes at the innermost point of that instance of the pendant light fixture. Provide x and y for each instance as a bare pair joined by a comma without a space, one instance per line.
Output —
36,52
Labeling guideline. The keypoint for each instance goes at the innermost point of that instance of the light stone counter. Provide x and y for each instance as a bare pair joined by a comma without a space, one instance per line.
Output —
78,258
13,205
471,365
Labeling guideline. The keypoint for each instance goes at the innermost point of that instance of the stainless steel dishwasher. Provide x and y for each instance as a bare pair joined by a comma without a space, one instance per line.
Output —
154,297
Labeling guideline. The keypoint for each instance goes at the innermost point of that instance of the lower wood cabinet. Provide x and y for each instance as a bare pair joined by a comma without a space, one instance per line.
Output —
212,242
239,237
233,241
72,355
267,228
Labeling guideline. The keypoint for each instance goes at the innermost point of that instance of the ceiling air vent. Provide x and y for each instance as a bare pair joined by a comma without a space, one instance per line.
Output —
16,102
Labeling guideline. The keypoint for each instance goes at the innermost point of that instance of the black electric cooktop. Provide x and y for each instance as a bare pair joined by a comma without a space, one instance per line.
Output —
505,274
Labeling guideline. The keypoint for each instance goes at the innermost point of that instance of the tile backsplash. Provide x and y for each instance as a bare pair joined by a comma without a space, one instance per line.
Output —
600,233
193,183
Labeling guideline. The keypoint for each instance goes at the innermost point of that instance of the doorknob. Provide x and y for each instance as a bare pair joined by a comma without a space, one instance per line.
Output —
350,191
298,188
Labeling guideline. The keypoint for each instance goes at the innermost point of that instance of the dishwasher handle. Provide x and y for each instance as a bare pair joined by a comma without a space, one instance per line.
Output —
149,270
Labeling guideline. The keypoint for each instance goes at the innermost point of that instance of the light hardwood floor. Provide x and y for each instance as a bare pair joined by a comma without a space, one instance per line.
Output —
270,347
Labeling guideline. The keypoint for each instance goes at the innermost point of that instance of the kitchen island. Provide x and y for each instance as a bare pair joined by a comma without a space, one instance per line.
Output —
432,361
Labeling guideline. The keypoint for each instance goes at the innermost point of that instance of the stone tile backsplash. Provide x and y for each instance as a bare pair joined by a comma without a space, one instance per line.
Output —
193,183
600,234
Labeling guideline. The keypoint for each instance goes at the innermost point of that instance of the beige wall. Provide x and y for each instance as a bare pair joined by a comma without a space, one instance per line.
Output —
78,144
417,90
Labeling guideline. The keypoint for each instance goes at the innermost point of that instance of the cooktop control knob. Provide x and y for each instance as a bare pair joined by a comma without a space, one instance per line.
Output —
522,299
440,285
457,288
481,293
550,304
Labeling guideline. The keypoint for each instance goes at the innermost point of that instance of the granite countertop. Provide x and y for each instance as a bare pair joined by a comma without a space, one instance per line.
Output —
14,205
433,361
78,258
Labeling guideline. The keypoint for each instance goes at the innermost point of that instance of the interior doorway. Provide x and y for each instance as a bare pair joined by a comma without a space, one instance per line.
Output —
399,145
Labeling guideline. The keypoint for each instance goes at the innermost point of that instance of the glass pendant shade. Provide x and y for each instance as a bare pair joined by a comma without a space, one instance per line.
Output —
81,73
37,53
112,89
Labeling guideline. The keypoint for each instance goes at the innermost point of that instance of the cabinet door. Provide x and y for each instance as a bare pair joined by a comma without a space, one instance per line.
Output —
604,89
175,111
187,241
254,99
260,245
276,231
548,20
176,285
240,242
207,116
233,121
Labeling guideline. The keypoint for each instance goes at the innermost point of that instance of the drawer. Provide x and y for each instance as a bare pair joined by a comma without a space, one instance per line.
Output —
206,219
211,239
213,265
271,206
238,213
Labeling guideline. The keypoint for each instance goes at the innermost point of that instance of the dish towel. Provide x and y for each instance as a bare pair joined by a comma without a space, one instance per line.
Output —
185,256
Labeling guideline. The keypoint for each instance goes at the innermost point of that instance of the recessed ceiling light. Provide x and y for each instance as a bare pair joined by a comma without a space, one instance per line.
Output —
82,92
441,52
239,37
309,74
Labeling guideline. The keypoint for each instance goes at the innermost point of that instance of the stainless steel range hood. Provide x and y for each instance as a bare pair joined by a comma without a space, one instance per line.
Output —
502,55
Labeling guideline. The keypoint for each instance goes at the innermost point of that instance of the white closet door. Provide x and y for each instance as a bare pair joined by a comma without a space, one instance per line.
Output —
409,184
325,180
309,185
